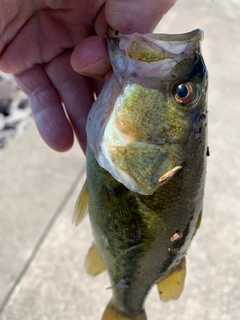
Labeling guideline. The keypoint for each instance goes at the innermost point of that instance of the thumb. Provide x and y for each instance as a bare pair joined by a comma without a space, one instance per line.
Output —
127,16
142,16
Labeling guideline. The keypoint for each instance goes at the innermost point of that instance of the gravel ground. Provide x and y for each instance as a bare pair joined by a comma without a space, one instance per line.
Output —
15,113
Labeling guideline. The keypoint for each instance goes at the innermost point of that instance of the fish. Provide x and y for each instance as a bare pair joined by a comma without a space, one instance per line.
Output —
146,167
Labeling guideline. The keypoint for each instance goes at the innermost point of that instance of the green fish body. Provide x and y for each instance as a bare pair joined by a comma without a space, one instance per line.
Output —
146,166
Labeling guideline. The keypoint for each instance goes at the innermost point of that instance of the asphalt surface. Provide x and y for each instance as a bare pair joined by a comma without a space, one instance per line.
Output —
42,253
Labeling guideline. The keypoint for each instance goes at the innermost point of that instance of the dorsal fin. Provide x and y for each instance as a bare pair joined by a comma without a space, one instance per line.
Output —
172,286
93,262
80,210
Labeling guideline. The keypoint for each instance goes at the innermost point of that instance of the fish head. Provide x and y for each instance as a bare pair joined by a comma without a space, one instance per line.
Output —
147,111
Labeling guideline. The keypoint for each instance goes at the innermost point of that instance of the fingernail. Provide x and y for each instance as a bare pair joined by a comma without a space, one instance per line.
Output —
98,69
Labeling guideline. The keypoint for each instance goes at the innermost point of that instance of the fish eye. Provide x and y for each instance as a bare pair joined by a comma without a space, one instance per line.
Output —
183,92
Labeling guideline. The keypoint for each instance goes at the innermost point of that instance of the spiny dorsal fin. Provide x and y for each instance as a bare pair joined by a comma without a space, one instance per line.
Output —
93,263
80,210
172,286
113,314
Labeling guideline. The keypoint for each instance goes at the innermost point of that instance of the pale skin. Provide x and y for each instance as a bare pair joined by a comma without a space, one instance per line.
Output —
57,51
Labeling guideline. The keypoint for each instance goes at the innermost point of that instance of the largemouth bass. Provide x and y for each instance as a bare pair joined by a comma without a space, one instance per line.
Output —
146,165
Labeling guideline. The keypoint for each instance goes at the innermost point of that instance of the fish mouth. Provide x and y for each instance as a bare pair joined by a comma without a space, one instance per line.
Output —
150,56
196,34
154,47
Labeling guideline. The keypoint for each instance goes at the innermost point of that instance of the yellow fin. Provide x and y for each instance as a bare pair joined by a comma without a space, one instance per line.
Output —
198,223
80,210
112,314
199,220
93,263
172,286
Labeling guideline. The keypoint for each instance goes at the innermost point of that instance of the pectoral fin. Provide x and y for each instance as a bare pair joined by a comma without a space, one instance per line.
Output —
113,314
80,210
93,262
172,286
123,220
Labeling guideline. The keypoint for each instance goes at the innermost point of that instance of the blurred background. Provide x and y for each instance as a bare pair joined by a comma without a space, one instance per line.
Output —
42,252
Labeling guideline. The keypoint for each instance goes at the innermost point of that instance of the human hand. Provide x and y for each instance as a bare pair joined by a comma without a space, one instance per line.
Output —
42,42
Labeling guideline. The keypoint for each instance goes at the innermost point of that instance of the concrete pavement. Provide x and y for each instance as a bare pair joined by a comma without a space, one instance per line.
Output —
42,253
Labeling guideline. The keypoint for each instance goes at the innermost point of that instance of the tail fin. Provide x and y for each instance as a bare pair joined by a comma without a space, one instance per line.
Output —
112,314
